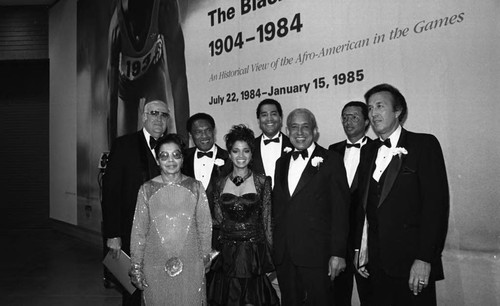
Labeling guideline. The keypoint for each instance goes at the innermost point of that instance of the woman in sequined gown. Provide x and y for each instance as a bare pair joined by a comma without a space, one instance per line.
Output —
242,202
171,234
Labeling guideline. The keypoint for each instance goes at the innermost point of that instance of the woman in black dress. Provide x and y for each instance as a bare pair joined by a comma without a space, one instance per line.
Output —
242,202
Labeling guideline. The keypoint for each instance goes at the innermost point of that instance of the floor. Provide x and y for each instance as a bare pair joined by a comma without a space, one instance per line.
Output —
46,267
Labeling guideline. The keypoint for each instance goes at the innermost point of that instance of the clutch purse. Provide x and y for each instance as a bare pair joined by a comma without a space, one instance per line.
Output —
174,266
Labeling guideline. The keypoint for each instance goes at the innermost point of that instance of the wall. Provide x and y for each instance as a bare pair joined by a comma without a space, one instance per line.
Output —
442,56
62,130
23,33
449,76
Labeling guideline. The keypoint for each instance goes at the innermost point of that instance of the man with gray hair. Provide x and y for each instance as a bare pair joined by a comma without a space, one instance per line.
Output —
310,214
131,163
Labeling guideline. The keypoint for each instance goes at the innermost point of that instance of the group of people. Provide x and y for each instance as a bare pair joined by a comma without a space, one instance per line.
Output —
208,226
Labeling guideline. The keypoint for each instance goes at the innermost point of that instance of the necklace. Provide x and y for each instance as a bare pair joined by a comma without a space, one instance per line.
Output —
175,181
238,180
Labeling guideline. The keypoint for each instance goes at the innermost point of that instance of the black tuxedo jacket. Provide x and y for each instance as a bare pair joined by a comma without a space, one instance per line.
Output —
340,147
312,224
413,210
131,163
257,165
188,169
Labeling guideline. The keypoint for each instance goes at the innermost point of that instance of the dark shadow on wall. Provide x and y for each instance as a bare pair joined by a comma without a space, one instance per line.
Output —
24,157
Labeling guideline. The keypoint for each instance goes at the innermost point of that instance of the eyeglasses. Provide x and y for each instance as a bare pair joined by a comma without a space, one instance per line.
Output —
157,114
353,118
164,156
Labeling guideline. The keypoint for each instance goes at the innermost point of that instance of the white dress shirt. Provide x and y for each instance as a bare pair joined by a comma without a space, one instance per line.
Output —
270,153
297,167
203,166
384,155
351,159
147,136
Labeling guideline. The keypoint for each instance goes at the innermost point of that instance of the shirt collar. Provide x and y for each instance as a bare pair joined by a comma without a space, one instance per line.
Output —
394,137
213,149
361,141
147,136
310,150
278,135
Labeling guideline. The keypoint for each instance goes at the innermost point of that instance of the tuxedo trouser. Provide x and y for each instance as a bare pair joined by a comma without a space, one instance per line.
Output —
343,286
388,290
303,285
364,290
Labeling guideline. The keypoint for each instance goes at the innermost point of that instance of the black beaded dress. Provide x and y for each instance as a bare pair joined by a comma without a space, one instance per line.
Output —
239,272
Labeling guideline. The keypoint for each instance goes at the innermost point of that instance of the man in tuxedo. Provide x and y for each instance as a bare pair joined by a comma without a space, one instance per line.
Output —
355,122
131,163
272,143
404,193
206,161
310,215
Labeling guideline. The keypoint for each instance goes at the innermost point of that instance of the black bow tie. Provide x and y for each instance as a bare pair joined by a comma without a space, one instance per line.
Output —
386,143
208,154
152,142
296,154
267,141
353,145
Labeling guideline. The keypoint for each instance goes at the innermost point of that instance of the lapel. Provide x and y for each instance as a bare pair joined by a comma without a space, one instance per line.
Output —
188,166
257,162
285,143
284,175
371,155
342,148
216,170
309,171
354,184
355,181
148,164
392,170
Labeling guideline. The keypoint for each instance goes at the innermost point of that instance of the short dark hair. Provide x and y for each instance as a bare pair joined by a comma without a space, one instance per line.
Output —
399,101
170,138
240,132
271,102
199,116
363,106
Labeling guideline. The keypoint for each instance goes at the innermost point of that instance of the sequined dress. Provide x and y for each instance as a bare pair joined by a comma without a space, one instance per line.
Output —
172,220
239,271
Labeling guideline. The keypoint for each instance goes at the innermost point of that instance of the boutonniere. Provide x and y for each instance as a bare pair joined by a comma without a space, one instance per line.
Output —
287,149
219,162
398,151
316,161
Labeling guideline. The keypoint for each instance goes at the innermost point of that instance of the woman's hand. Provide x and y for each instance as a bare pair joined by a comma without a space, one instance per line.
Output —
137,277
208,260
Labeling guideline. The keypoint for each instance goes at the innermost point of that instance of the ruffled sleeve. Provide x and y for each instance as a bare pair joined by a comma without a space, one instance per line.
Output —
218,217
